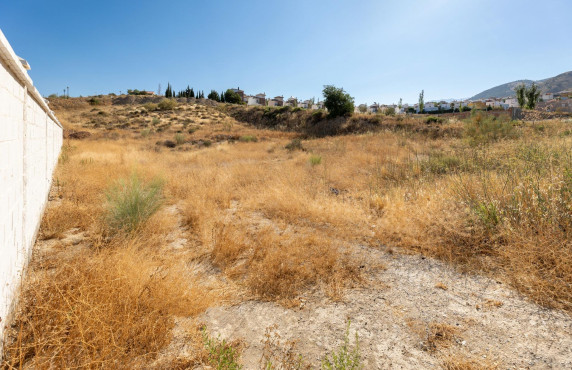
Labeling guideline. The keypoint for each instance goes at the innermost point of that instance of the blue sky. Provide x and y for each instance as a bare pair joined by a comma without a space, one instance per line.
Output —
377,50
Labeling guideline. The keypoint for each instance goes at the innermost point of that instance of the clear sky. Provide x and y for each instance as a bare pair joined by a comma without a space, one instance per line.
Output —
377,50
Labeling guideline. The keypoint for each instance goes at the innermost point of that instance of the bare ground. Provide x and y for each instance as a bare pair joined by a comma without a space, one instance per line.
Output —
495,324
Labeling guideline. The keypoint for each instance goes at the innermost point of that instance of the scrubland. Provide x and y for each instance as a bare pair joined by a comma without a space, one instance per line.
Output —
160,215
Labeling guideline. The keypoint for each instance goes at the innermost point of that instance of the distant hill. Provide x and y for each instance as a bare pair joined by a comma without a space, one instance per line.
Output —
559,83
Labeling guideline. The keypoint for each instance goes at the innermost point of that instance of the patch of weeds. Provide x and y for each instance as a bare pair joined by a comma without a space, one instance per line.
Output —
155,121
193,129
130,202
481,129
146,132
150,107
441,163
221,354
295,144
345,357
179,139
488,214
207,143
248,139
167,104
315,160
433,119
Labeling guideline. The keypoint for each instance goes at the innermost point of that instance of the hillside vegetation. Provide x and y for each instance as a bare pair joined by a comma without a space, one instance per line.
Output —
158,216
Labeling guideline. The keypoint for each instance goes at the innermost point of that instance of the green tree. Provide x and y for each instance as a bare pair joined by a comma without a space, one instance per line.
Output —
230,96
169,91
337,101
421,101
532,96
400,104
362,108
222,98
213,95
520,91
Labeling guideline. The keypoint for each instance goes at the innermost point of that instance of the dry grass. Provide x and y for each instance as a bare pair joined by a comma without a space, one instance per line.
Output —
278,226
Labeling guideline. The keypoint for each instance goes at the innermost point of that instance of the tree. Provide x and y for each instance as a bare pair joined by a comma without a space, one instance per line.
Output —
222,98
421,101
337,101
231,96
362,108
213,95
520,91
532,96
169,91
400,104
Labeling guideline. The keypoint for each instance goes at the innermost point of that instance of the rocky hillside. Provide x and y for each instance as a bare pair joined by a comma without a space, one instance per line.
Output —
559,83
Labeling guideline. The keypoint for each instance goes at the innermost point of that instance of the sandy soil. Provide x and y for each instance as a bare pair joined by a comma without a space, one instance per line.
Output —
495,324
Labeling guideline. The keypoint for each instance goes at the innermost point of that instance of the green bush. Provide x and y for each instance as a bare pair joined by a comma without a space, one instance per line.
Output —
347,357
94,101
221,354
433,119
482,129
179,139
167,104
390,111
150,107
315,160
248,138
337,101
130,202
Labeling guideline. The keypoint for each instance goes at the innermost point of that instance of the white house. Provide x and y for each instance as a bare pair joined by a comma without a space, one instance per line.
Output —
547,96
374,108
512,102
277,101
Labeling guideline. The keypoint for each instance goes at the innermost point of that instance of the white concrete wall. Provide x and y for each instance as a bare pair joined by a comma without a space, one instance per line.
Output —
30,142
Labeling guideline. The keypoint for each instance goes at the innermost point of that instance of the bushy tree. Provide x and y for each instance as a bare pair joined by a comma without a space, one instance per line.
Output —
362,108
337,101
532,96
213,95
230,96
520,91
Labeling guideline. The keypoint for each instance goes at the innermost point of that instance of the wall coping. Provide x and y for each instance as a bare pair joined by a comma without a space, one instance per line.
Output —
13,63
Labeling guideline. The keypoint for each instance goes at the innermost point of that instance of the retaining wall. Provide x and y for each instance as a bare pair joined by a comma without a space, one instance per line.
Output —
30,142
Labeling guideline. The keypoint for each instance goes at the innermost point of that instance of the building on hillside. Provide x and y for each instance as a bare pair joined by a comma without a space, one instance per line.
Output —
291,102
306,104
512,102
277,101
478,105
318,105
373,108
547,96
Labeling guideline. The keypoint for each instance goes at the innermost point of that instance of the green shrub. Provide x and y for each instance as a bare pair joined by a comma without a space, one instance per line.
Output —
295,144
433,119
441,163
221,354
94,101
207,143
150,107
318,115
296,109
481,129
179,139
130,202
146,132
155,121
248,138
390,111
315,160
167,104
337,101
347,357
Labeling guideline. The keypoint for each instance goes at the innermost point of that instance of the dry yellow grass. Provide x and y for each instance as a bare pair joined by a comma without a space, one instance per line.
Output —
278,226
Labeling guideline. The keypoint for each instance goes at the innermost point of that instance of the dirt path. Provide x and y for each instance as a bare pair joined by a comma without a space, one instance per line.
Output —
398,318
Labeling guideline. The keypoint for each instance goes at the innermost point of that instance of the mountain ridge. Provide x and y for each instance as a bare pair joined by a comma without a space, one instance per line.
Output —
561,82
